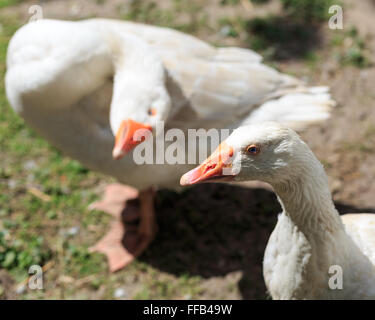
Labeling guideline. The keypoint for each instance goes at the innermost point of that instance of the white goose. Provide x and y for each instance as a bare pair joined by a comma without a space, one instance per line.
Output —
79,84
310,237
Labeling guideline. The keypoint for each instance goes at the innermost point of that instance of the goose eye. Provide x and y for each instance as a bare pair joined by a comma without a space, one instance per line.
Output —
253,149
152,111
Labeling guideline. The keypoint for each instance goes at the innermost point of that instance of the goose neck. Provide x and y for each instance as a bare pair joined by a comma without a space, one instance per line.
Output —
307,201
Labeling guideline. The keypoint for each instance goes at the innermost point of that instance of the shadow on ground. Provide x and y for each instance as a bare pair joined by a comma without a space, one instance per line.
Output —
283,38
214,229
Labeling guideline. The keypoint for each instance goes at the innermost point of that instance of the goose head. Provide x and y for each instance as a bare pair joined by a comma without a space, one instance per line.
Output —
267,151
135,111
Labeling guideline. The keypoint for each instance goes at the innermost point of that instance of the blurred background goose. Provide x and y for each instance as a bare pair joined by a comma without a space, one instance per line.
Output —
311,246
88,86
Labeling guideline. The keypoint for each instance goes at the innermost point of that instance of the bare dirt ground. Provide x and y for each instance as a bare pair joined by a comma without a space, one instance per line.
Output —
220,231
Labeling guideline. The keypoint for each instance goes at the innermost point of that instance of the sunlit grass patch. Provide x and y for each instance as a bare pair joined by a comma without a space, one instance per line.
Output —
159,285
182,15
7,3
308,10
355,50
350,48
43,195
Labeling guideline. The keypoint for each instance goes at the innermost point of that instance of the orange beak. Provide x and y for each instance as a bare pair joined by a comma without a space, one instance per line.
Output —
211,168
126,137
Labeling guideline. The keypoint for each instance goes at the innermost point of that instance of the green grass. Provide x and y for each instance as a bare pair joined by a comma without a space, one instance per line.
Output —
31,227
7,3
301,10
350,49
233,26
150,12
236,2
308,10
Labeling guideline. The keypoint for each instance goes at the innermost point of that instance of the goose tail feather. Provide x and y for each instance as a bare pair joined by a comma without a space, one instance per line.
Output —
296,108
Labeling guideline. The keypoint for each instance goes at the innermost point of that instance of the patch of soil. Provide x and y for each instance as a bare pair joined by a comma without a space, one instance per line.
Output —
6,286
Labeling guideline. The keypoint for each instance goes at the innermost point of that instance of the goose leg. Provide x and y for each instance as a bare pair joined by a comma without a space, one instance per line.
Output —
147,225
116,197
126,239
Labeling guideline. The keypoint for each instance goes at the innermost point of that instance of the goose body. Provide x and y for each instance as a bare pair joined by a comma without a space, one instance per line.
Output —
61,77
313,253
299,265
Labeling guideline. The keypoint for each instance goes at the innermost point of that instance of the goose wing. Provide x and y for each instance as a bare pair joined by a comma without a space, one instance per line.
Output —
231,86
